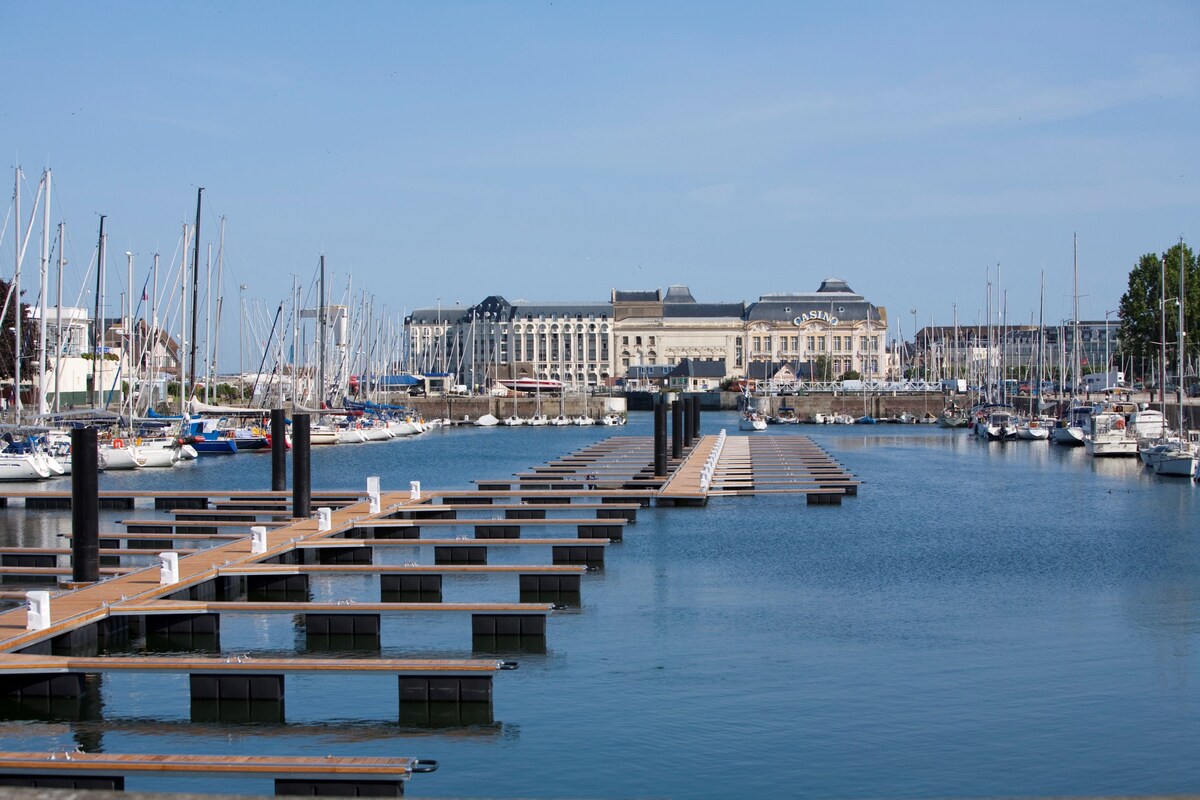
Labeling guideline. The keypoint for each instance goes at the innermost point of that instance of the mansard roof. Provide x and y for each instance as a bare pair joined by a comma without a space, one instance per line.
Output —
834,297
636,296
678,294
696,310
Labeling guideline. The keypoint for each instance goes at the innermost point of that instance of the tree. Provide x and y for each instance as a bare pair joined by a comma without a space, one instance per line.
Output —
8,337
1140,305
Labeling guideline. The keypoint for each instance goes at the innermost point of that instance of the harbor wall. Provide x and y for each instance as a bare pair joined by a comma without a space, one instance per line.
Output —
884,406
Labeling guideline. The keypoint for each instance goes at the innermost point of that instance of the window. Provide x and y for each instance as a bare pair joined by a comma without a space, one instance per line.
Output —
625,340
837,344
652,341
795,344
637,340
757,344
821,344
783,343
812,343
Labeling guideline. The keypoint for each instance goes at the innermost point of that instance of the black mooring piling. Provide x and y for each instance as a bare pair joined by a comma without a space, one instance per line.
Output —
689,435
660,440
278,450
301,468
677,428
695,418
85,506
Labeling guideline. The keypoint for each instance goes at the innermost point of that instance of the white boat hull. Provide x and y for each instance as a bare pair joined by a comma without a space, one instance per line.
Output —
22,468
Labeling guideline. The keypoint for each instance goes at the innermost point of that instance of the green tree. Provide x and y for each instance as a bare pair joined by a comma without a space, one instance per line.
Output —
1140,306
8,337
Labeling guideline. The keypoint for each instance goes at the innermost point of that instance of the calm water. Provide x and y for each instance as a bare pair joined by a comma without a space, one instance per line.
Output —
981,620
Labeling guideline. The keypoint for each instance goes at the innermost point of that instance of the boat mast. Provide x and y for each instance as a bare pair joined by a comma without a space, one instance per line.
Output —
1075,354
183,310
1162,337
98,323
321,320
213,371
58,315
45,290
1179,357
195,291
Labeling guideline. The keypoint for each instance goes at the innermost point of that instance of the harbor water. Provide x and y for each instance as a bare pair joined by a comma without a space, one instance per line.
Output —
982,620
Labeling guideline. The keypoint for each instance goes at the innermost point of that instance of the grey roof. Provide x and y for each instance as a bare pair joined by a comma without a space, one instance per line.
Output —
678,294
691,368
635,296
834,297
695,310
430,316
649,370
536,308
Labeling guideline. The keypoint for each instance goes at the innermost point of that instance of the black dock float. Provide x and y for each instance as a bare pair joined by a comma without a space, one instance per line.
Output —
627,514
116,503
594,530
508,624
34,684
308,787
459,554
344,555
466,500
426,512
384,532
182,624
238,688
34,503
110,783
445,689
524,513
189,503
494,486
492,530
536,582
825,499
577,554
428,583
356,625
286,588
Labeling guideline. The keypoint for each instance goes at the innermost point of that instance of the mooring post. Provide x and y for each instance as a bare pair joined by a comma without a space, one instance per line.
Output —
85,506
689,432
660,439
278,450
695,418
301,468
677,428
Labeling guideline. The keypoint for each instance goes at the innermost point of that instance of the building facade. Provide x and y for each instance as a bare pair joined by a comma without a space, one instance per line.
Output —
590,344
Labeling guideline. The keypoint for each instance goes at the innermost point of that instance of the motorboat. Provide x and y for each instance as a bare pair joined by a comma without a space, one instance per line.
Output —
1109,436
487,421
612,419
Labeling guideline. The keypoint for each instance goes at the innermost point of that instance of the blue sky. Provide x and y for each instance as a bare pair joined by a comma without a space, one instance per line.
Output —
558,150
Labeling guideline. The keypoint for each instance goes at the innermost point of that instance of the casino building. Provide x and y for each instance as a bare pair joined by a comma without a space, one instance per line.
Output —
587,344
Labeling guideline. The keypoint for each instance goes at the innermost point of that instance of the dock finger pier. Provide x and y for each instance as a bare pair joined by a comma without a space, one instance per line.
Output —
149,593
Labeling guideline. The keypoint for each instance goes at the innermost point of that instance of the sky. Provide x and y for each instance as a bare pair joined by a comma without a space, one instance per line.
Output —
442,152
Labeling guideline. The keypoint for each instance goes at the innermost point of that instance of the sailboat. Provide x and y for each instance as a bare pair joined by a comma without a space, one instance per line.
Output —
1036,427
1072,426
751,419
1178,457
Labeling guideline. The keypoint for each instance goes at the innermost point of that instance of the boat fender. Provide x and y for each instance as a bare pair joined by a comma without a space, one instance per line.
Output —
118,443
138,441
1120,424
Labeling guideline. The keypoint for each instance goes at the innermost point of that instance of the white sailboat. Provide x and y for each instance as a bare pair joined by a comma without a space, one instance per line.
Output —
1072,426
1178,457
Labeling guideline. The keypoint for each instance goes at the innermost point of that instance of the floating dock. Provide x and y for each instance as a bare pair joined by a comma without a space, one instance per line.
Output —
569,511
